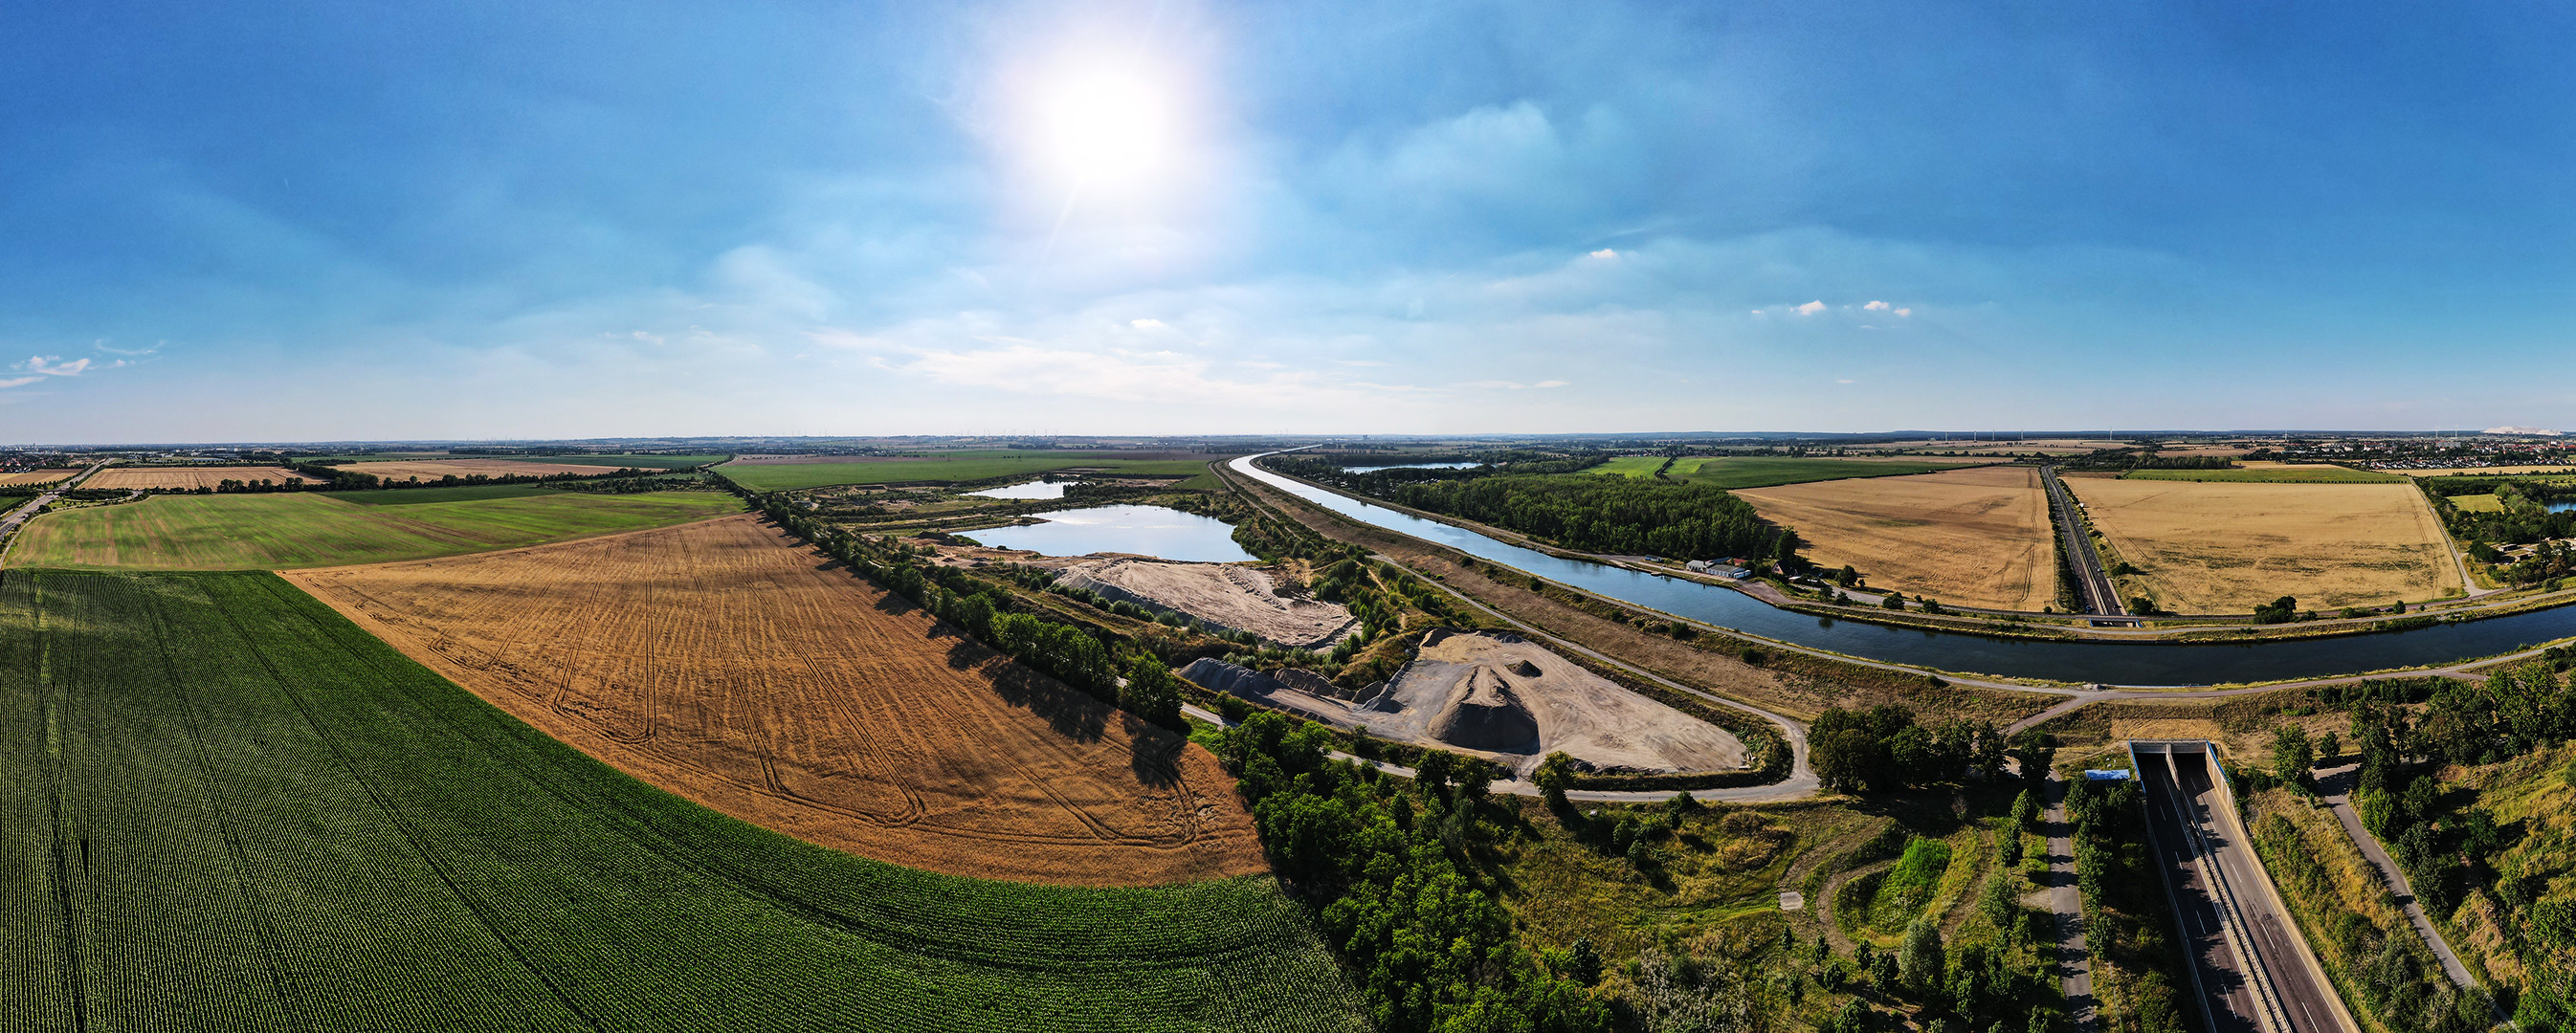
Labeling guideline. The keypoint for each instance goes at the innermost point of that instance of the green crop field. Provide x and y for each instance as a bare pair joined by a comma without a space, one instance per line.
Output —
424,496
315,529
2291,475
788,476
1630,466
222,806
641,462
2478,503
1763,471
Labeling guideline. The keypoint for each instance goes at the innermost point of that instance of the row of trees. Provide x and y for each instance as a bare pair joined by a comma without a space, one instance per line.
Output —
2124,923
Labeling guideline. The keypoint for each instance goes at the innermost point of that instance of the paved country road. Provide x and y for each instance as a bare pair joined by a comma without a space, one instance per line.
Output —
2090,581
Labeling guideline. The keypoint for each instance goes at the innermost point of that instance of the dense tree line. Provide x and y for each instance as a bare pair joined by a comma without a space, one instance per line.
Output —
1607,514
1388,867
2524,520
1882,749
2448,847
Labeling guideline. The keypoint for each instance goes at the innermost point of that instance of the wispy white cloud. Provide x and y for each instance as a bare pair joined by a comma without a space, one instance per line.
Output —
19,381
1875,306
1811,308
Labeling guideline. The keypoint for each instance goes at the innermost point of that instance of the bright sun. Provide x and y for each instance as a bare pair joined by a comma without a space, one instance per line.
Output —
1106,127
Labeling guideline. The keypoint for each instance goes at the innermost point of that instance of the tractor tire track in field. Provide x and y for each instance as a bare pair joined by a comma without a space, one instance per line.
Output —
720,661
402,826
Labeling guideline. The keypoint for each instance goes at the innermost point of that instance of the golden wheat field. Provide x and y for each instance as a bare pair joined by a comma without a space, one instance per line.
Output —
1975,537
35,477
191,477
2226,547
723,662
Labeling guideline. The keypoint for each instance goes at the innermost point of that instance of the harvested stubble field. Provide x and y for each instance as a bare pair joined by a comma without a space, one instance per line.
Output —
313,529
226,808
787,473
192,477
434,469
2217,547
1765,471
722,662
2272,473
35,477
1975,537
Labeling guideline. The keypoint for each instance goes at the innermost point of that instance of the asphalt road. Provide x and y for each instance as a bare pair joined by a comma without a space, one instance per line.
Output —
2337,784
2184,812
2090,582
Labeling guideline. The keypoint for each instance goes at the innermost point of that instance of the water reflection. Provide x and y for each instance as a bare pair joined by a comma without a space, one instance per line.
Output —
1031,490
1144,530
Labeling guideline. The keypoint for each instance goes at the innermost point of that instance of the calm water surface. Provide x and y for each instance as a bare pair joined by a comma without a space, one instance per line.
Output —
1144,530
2111,663
2559,507
1031,490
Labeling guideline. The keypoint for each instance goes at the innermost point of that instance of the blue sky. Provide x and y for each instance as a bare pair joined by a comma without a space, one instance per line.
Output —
526,219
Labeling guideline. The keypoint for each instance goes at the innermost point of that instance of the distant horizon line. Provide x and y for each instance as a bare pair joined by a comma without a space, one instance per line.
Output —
1994,436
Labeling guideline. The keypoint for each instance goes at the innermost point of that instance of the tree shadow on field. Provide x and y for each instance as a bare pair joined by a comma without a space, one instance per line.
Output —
1154,751
1069,711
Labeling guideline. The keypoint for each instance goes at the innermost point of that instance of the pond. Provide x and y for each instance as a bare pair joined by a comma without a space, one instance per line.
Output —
2111,663
1031,490
2559,507
1412,466
1143,530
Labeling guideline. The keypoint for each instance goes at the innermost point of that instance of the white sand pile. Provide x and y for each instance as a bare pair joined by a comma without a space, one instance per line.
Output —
1222,595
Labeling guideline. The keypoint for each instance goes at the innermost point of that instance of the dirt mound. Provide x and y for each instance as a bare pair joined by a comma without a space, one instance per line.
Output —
1484,714
1226,596
1493,693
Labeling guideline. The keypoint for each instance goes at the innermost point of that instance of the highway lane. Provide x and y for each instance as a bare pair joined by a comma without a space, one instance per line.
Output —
2303,996
2226,995
2090,581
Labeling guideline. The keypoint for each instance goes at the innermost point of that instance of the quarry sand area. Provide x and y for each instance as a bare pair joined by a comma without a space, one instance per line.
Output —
1975,537
31,477
722,662
1228,596
433,469
1495,694
191,477
2227,547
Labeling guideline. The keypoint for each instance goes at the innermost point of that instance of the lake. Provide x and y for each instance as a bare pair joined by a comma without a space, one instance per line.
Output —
2559,507
1031,490
1143,530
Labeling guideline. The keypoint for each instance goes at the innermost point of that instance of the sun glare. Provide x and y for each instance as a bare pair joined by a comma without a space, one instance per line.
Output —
1105,127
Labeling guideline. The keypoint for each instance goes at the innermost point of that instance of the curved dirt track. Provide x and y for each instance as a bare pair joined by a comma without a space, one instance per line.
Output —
723,662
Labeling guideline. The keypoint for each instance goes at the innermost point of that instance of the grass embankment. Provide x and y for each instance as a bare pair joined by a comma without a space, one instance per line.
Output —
2521,934
1761,471
263,532
2271,475
791,476
235,810
2370,950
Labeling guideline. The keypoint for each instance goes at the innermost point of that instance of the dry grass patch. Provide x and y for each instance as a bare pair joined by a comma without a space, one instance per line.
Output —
722,662
191,478
2223,547
1976,537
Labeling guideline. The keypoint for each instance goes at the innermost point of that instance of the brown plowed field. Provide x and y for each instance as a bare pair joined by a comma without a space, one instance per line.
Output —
433,469
723,662
191,477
